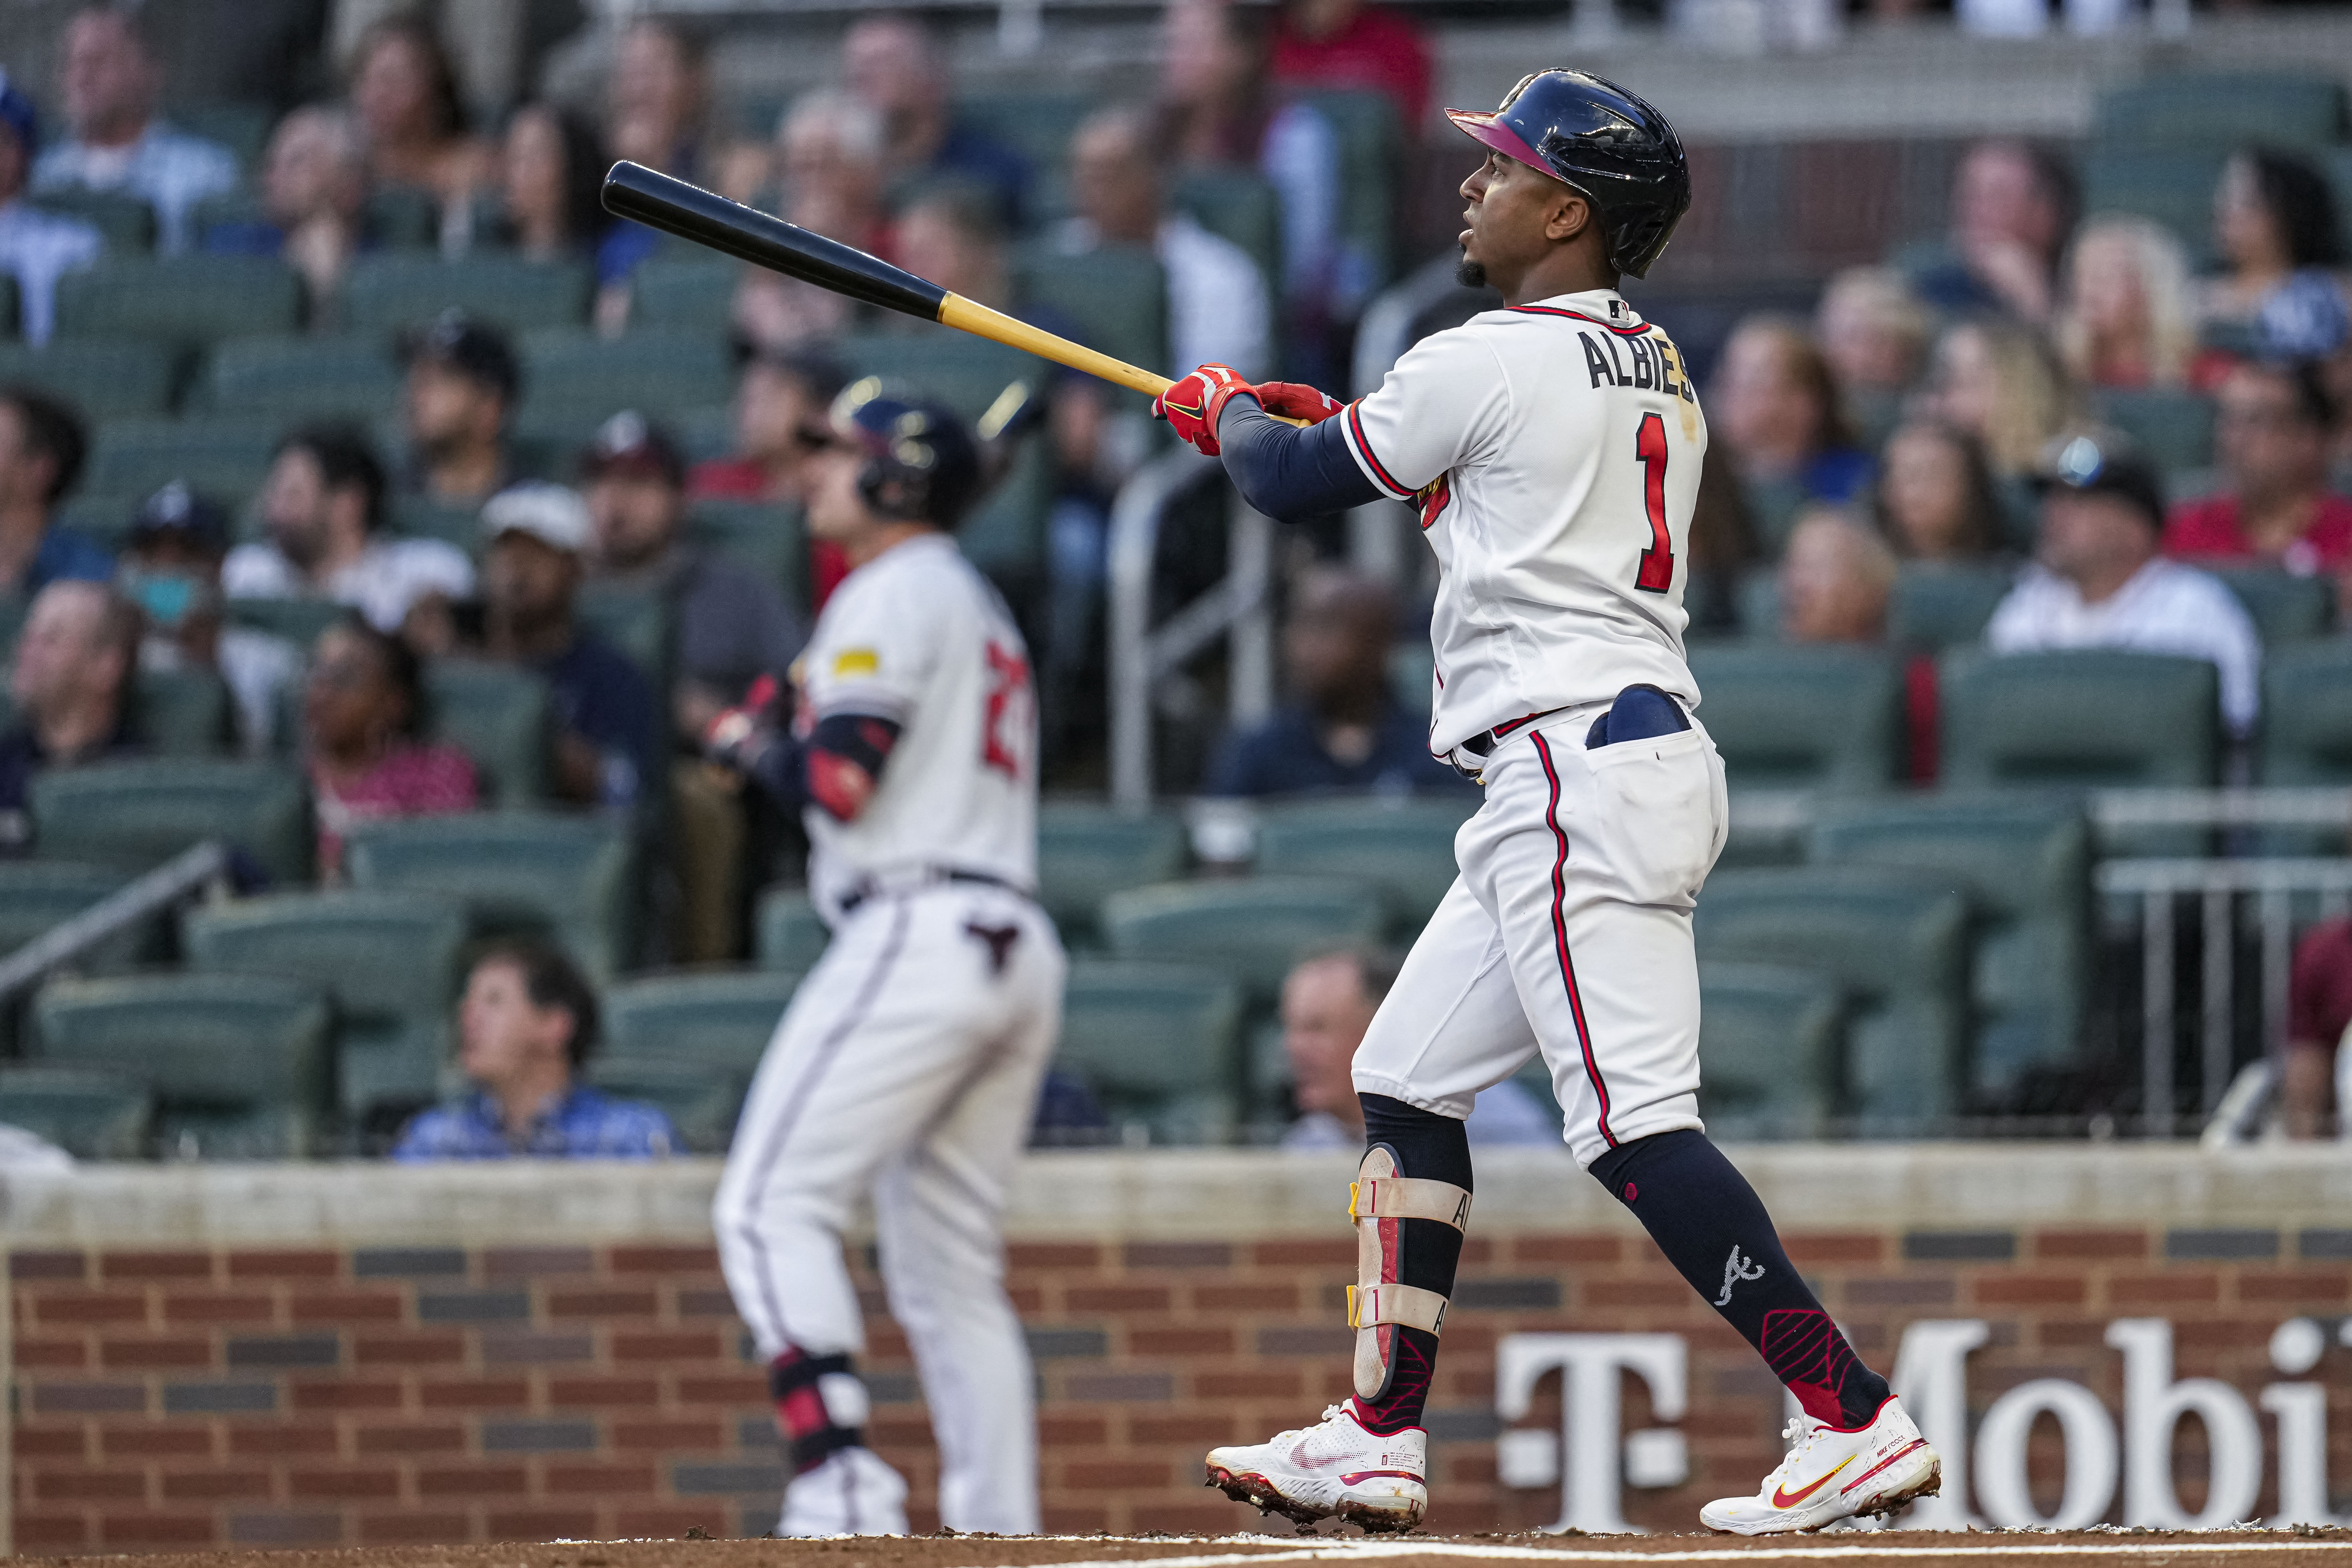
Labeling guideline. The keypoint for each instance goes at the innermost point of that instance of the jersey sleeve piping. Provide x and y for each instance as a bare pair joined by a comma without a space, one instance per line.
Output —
1361,450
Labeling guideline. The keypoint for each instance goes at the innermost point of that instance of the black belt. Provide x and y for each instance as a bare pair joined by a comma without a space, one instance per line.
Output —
869,888
1484,743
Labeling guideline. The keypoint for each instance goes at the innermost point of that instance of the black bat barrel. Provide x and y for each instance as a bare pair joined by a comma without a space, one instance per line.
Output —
657,200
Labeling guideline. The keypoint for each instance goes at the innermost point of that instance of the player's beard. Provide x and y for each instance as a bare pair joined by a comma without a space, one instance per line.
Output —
1469,273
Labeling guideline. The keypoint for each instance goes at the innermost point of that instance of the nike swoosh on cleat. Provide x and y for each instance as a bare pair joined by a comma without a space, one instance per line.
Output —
1782,1498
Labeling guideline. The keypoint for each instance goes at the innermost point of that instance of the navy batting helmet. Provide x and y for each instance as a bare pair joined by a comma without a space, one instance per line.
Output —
1608,144
922,464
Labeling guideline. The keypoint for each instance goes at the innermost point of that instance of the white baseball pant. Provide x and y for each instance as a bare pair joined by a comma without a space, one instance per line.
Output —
1567,931
907,1065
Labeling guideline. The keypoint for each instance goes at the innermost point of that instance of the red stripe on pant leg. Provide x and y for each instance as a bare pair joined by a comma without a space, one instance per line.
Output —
1560,937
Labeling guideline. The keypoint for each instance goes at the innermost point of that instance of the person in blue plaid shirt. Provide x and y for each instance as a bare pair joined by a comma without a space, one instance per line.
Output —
527,1020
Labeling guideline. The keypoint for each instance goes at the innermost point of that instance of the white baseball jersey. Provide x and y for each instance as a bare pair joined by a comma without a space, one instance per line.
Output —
918,637
1553,450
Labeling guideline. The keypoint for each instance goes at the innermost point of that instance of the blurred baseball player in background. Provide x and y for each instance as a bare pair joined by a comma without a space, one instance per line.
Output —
908,1064
1552,448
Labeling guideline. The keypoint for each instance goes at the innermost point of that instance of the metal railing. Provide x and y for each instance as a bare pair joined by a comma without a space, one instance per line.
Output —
202,869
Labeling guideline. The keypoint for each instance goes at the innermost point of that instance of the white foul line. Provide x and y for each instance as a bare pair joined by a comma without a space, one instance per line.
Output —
1733,1555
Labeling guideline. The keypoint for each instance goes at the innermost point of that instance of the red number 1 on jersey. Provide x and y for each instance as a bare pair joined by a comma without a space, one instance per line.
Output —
1657,573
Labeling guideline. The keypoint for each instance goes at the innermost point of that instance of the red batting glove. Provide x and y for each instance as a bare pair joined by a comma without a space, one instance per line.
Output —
737,737
1191,405
1294,400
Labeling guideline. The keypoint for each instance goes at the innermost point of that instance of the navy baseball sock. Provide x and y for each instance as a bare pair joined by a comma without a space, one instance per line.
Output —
810,1428
1428,1147
1712,1229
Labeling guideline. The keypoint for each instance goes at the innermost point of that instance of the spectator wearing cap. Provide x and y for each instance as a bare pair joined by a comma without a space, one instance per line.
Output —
70,682
170,568
537,541
41,451
895,65
363,716
313,194
732,628
322,508
2097,581
2272,427
36,248
108,81
462,385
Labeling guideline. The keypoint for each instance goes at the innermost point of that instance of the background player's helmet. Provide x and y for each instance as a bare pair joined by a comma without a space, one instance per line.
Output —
1607,143
922,464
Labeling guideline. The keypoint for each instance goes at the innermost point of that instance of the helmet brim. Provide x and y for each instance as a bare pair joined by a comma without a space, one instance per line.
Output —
1486,126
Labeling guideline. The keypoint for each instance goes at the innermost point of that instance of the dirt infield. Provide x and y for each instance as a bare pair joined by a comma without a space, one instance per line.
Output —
2302,1548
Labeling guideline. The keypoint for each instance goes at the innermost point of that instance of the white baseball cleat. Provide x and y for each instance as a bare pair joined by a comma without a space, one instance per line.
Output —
1832,1475
853,1492
1332,1470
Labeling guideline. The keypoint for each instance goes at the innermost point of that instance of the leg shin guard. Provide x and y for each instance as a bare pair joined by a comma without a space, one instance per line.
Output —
1410,1201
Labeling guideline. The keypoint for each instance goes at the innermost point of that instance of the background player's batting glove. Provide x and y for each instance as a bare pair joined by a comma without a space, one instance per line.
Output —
737,737
1295,401
1191,405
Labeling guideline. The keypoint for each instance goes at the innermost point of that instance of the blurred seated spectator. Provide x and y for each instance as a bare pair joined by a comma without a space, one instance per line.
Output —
363,726
657,102
2127,318
170,568
1347,45
1775,411
780,406
1218,111
36,248
411,118
1328,1003
1217,306
1874,332
1722,547
2013,205
1835,579
2099,582
1935,495
830,149
894,65
110,82
1344,728
2271,433
608,728
70,682
460,393
2311,1086
313,188
322,515
551,176
526,1025
2001,384
41,451
2273,217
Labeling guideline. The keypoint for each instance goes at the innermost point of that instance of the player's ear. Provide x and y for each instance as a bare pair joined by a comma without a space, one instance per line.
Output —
1571,212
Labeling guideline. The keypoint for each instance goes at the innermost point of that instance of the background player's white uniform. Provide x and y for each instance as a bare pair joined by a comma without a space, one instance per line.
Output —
1553,450
908,1065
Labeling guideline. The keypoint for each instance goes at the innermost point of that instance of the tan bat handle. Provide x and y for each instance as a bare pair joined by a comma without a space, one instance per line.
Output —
965,316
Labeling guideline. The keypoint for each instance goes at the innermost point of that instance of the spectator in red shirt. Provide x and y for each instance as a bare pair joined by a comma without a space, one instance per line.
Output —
780,424
2273,434
2319,1006
1347,43
364,709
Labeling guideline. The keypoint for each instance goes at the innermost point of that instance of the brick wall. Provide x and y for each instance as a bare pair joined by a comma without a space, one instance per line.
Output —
175,1399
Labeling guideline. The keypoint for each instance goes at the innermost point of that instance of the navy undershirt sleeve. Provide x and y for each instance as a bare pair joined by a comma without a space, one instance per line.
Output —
1288,471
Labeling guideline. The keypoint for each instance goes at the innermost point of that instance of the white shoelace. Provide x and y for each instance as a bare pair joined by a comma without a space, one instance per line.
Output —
1800,1438
1330,1413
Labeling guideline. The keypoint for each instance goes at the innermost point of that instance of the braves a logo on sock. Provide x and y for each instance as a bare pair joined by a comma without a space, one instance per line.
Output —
1737,1269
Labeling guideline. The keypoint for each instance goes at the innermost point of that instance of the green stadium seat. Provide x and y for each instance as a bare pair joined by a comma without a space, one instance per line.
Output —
1935,607
1372,145
516,871
241,125
8,305
137,814
2089,718
499,716
767,537
36,895
2285,608
1405,848
1040,126
126,222
2024,866
182,712
99,516
1897,943
2175,429
89,1115
222,455
1004,535
187,300
2223,109
1116,295
299,378
298,621
238,1064
101,378
635,620
1088,851
1156,1043
647,371
1771,1042
387,294
701,1102
1241,206
789,935
1802,716
421,517
387,961
403,218
1253,928
686,295
2172,185
715,1018
2306,736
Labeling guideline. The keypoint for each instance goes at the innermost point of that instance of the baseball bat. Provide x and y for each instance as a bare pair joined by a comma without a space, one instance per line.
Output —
657,200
